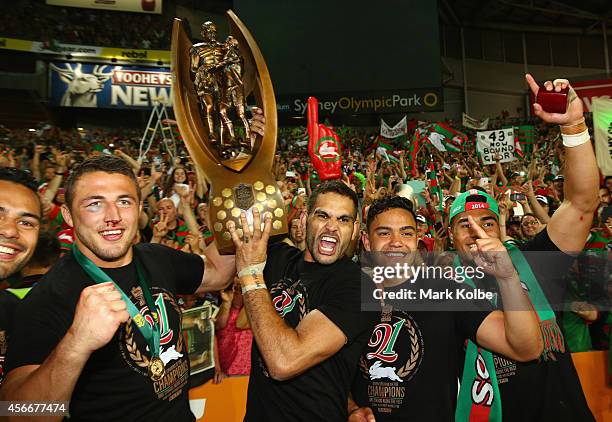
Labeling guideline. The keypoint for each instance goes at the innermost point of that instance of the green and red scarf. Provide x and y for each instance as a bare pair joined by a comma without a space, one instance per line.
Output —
479,398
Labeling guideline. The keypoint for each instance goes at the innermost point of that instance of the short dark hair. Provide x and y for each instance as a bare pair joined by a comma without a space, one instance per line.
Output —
47,250
23,178
333,186
388,203
105,163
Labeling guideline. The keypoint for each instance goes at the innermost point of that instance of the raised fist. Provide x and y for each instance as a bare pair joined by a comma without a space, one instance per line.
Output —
574,110
98,314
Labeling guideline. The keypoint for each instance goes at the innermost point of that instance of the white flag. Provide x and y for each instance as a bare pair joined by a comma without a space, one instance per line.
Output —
436,140
475,123
602,123
386,131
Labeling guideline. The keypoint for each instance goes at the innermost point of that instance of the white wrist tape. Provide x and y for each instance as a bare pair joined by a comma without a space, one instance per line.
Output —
250,287
571,141
254,269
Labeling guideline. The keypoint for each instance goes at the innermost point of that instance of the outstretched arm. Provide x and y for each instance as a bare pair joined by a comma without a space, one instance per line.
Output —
569,226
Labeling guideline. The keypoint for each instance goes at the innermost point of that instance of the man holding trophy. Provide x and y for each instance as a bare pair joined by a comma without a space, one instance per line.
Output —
303,307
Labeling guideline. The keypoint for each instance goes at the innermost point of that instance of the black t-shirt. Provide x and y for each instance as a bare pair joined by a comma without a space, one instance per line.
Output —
8,303
408,369
114,384
297,288
547,390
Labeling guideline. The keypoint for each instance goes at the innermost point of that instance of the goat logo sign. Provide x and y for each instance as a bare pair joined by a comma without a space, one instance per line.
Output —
106,86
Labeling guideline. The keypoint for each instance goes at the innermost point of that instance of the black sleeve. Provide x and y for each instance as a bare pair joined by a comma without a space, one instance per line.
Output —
281,256
540,242
468,322
188,271
549,265
8,303
342,305
40,321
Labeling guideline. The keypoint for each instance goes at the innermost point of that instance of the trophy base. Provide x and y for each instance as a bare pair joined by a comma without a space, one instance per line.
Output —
228,202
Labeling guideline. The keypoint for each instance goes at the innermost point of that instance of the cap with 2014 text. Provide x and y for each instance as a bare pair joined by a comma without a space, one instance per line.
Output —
473,199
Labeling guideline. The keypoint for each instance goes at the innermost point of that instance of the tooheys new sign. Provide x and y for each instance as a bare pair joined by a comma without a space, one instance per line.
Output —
324,145
397,101
105,86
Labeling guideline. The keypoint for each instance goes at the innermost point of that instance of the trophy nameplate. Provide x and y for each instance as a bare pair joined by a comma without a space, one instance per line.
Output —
241,180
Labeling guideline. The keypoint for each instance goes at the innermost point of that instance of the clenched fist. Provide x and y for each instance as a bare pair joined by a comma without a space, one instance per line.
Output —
98,314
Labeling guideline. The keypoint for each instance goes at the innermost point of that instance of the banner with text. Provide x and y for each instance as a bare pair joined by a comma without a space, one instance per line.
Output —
492,142
82,51
389,132
399,101
104,86
473,123
602,123
139,6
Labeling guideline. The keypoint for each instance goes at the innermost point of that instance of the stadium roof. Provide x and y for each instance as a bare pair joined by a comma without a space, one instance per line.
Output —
562,16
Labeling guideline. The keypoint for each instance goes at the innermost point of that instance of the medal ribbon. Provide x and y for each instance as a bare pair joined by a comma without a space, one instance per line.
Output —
150,333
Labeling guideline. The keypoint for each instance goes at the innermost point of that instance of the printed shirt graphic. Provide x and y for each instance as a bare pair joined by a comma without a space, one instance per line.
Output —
135,350
297,288
392,357
411,358
290,300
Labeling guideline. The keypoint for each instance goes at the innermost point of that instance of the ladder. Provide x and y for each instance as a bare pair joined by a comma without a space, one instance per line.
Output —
158,121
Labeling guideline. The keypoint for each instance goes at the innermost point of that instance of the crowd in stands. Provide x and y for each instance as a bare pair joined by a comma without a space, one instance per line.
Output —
37,21
528,191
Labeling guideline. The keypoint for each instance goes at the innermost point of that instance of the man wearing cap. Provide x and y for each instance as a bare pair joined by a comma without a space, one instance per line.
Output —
422,227
548,389
558,183
543,201
423,231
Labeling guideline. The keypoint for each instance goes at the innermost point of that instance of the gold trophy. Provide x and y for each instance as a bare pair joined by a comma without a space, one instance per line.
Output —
209,81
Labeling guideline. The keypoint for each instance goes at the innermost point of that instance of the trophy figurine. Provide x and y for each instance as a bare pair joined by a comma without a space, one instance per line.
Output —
211,81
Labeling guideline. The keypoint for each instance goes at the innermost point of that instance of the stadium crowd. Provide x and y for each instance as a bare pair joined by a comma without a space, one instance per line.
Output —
528,191
37,21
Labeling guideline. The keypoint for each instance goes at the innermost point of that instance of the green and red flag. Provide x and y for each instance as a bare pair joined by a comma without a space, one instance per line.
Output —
445,138
385,150
434,187
525,135
413,150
